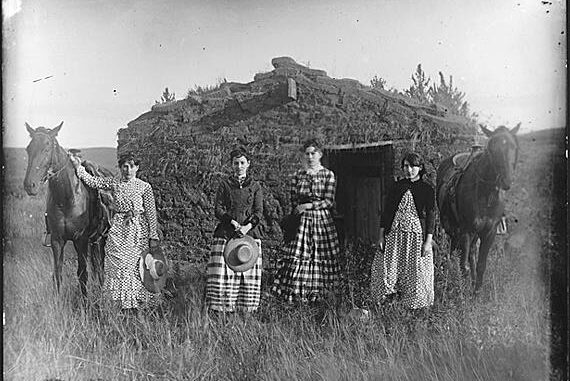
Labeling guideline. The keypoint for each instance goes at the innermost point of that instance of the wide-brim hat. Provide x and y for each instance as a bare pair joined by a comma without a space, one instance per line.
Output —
153,268
241,253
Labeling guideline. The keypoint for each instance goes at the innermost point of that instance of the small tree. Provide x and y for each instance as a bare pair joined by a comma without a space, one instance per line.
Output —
167,96
200,90
378,83
419,90
449,96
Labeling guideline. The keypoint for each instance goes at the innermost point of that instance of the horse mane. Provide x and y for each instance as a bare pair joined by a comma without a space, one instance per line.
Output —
43,130
501,129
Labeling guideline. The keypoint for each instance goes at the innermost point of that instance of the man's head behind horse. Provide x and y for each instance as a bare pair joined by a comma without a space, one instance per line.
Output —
40,155
503,150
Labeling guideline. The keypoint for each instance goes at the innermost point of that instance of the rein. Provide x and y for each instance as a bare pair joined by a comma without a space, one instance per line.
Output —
485,154
54,147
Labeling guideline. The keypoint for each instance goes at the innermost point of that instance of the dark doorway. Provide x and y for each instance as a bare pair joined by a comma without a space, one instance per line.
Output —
364,173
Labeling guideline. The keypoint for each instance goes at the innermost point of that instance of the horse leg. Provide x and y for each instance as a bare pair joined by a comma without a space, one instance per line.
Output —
81,247
97,259
486,243
463,244
57,245
472,257
453,243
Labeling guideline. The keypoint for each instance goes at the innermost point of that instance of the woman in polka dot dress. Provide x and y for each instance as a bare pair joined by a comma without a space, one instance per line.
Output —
133,230
404,264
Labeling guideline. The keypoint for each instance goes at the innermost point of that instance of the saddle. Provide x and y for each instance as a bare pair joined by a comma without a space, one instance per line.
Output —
104,208
461,159
460,162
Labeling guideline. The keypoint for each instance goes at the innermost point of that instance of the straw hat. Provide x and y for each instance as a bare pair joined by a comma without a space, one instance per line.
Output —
152,269
241,253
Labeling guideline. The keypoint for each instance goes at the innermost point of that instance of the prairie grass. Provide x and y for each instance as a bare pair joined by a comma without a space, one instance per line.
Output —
502,334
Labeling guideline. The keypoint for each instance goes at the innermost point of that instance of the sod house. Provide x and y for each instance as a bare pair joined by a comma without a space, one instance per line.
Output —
184,147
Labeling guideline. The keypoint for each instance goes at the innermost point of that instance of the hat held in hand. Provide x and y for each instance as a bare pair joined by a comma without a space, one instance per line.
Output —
153,269
241,253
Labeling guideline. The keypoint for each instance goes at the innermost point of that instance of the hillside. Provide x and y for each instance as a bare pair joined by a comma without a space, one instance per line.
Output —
16,161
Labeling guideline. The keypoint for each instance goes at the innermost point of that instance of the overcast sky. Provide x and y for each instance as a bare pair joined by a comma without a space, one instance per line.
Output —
98,64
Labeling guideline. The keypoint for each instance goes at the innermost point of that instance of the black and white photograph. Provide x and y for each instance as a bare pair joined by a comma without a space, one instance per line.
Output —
284,190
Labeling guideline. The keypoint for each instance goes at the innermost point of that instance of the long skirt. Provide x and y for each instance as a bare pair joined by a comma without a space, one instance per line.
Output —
401,268
227,290
126,241
310,266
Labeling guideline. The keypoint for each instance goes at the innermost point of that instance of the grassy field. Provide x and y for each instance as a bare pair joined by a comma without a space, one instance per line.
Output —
503,334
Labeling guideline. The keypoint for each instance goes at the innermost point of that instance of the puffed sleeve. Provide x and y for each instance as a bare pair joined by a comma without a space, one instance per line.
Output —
95,181
150,211
222,203
328,194
430,209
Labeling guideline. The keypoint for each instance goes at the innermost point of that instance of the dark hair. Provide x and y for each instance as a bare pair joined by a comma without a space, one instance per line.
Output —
239,152
312,143
128,157
415,160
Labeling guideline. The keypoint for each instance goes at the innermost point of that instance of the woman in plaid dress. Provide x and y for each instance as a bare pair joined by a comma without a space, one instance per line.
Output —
310,265
404,265
239,208
133,230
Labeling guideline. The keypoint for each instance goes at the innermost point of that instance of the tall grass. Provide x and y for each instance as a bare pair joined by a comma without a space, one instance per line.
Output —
500,335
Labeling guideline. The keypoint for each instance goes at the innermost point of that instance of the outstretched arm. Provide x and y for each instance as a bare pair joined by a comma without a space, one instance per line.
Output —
89,180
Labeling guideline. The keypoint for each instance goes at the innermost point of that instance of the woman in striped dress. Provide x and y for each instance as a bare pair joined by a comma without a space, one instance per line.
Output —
404,265
133,230
239,208
310,266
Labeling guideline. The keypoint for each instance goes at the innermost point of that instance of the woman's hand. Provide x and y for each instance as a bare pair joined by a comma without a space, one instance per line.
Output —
235,224
302,207
243,230
381,241
74,160
427,247
153,242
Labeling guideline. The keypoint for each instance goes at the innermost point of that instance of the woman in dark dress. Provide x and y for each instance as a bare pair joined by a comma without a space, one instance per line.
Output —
239,208
310,265
404,264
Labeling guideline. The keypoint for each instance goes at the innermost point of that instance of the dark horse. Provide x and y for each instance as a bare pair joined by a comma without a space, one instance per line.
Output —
468,197
74,211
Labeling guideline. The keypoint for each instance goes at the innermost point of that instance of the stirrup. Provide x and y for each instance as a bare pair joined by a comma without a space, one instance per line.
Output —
47,240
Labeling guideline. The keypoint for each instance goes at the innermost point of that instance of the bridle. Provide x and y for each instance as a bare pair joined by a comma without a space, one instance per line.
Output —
487,154
53,145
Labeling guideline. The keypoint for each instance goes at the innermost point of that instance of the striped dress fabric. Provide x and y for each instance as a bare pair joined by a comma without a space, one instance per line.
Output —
401,268
128,237
310,264
230,291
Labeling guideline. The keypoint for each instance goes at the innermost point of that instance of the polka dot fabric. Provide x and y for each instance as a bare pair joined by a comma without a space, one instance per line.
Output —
401,268
133,223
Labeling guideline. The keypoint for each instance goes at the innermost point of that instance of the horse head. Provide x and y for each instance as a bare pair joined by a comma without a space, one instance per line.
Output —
41,151
503,149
